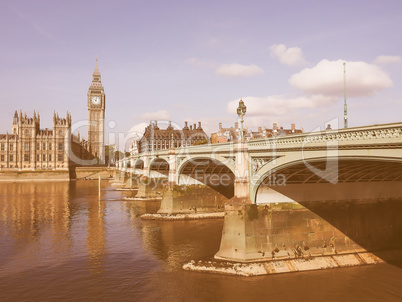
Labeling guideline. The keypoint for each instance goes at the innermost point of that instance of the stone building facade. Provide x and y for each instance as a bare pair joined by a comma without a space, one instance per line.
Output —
224,135
155,138
30,148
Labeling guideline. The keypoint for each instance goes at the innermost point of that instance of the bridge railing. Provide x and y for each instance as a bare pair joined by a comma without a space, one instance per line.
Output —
381,134
208,148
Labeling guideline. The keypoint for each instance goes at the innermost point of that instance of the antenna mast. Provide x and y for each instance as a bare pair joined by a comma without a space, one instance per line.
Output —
345,106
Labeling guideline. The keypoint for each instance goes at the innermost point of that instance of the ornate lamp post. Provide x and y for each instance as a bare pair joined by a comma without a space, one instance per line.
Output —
241,111
345,106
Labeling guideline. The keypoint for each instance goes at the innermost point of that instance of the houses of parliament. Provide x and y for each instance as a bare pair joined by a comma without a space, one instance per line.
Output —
28,147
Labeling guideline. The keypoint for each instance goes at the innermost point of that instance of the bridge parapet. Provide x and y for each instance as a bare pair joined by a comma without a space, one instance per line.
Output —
380,134
207,147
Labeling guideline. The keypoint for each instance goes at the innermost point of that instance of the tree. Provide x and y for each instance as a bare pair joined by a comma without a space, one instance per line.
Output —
203,142
109,155
118,155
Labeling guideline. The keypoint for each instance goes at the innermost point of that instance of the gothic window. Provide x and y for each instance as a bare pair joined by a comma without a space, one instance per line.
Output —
26,146
44,157
61,146
60,133
26,156
37,157
11,157
37,146
50,157
44,146
26,132
50,146
2,157
2,146
60,157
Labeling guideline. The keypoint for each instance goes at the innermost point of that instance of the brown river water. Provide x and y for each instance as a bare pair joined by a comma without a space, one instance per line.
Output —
59,243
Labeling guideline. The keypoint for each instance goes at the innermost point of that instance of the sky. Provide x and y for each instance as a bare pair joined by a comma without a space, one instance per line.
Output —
194,60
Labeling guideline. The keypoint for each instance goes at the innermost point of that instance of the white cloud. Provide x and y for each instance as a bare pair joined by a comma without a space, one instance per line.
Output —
137,130
284,110
326,78
387,59
238,70
292,56
194,61
158,115
278,105
180,106
227,70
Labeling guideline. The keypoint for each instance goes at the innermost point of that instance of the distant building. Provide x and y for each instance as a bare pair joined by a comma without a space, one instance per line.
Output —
233,133
226,134
264,132
31,148
155,138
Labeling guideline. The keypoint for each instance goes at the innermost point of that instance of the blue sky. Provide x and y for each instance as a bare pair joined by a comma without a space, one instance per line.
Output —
194,60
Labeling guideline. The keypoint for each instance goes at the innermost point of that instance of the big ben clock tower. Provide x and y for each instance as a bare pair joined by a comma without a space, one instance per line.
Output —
96,116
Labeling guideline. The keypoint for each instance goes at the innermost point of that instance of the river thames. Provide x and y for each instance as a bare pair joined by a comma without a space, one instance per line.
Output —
59,243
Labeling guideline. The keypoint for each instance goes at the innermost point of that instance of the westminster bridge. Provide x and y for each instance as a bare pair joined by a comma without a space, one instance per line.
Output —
299,190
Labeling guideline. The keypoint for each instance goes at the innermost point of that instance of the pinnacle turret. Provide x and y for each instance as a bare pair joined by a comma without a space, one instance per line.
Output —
96,71
96,76
15,120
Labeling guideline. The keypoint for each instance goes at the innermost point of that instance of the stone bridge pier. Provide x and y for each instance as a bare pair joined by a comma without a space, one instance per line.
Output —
186,193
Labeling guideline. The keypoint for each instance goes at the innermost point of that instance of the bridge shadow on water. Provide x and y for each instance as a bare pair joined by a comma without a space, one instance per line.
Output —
373,224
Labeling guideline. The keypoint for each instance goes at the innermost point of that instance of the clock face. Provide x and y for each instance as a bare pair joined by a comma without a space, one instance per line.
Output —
96,100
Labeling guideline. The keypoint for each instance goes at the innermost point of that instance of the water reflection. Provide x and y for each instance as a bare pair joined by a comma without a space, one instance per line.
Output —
39,220
174,242
29,212
96,235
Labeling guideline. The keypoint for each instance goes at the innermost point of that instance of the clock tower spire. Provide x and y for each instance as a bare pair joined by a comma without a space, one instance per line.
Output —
96,115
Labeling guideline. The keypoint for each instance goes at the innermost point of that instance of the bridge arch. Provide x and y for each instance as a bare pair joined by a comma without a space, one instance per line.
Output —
158,167
227,161
138,165
340,172
212,172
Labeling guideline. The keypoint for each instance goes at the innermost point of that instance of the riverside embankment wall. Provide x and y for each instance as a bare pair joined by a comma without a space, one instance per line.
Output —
55,175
